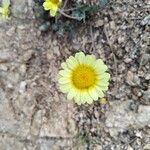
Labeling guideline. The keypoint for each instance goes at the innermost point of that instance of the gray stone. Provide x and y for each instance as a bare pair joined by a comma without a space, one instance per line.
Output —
146,21
146,147
19,8
23,85
120,117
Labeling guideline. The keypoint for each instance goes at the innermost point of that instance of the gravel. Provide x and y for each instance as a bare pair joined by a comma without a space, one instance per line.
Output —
34,114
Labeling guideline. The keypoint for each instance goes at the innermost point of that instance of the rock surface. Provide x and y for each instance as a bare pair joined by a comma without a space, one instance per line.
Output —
121,117
35,115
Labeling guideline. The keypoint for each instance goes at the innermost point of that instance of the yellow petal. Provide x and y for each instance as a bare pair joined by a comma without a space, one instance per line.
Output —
88,98
65,88
63,80
53,11
47,5
103,83
90,59
71,62
83,100
93,94
100,66
103,88
78,99
65,73
85,97
80,57
72,93
104,76
99,91
52,6
64,65
1,9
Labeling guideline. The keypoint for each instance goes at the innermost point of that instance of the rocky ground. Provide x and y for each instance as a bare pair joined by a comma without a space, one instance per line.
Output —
35,115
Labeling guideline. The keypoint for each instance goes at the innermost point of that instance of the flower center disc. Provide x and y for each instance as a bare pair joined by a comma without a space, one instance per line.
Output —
55,2
83,77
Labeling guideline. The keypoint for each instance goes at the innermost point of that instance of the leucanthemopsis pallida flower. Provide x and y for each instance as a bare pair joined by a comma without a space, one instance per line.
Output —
83,78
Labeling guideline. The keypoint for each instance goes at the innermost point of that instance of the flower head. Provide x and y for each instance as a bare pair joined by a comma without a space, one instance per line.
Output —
52,6
4,10
83,78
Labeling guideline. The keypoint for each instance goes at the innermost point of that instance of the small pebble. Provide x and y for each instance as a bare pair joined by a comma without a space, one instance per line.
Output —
44,27
146,21
23,85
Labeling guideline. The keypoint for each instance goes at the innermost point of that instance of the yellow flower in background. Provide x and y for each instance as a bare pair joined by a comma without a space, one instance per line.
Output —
52,6
4,10
83,78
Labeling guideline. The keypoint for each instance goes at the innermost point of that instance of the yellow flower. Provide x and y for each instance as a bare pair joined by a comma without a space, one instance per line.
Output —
83,78
4,10
52,6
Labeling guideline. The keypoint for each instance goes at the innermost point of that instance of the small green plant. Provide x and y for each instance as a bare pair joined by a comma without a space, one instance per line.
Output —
73,9
65,15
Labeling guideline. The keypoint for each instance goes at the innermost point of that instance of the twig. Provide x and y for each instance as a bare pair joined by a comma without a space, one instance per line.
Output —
70,9
68,16
58,16
65,3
